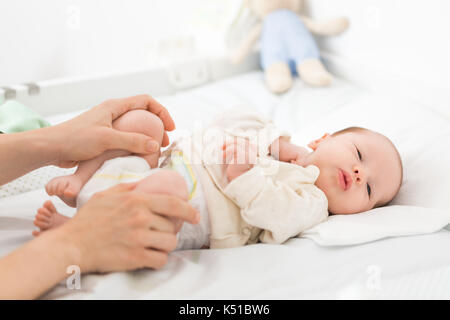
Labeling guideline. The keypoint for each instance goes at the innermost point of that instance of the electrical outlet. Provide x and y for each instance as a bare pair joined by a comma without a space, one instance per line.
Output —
188,74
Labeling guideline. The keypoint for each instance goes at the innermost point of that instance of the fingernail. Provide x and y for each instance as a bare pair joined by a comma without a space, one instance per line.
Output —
152,146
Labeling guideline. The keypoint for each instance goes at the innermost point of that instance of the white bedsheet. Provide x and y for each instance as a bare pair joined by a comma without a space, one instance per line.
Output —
404,267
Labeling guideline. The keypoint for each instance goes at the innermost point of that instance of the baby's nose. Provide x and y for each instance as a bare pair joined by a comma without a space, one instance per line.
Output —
358,175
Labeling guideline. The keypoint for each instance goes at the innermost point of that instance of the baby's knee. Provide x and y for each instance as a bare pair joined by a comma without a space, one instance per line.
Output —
176,183
166,182
141,121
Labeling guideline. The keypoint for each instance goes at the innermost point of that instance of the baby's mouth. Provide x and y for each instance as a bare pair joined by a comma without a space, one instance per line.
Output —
344,179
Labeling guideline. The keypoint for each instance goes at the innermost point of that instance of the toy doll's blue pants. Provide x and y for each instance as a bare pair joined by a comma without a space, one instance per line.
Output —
285,38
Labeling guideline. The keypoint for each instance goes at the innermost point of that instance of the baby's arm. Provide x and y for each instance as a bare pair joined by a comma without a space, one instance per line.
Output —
240,155
282,205
282,150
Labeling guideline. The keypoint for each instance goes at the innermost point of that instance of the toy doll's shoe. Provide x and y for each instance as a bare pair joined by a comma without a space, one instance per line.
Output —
313,72
278,77
335,26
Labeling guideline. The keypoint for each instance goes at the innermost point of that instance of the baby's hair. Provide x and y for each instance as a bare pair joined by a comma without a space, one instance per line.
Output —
399,158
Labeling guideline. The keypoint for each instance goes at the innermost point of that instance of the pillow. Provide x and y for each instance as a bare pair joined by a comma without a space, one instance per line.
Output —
15,117
391,221
421,136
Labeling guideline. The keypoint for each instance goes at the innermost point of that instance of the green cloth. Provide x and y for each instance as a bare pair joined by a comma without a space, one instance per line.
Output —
15,117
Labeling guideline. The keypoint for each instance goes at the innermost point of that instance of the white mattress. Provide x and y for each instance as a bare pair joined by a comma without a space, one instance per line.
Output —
402,267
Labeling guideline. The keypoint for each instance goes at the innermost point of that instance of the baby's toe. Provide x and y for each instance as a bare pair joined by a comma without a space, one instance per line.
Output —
42,218
62,185
41,224
49,206
49,188
43,212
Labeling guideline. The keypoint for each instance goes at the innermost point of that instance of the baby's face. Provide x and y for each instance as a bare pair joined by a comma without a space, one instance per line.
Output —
358,170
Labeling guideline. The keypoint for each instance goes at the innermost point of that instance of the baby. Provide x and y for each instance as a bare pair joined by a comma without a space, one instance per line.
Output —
249,183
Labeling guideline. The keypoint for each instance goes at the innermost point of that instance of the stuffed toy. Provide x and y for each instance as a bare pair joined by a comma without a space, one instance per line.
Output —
287,47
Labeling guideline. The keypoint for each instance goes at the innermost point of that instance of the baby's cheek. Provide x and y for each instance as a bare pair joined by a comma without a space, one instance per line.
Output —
345,203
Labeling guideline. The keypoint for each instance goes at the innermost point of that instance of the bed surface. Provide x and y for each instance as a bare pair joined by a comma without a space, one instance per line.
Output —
401,267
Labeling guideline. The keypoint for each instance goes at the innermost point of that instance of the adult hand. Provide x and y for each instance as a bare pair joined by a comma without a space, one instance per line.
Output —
91,133
121,229
116,230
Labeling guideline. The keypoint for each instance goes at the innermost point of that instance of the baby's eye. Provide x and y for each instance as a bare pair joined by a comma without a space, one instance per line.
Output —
368,190
359,154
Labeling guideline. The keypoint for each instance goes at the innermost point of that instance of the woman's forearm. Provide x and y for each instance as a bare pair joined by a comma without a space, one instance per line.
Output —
24,152
33,269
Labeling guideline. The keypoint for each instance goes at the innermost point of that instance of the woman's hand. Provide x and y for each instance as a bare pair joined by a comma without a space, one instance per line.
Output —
91,133
117,229
81,138
121,229
239,156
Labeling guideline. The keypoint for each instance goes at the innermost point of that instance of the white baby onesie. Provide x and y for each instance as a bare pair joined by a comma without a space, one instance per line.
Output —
131,168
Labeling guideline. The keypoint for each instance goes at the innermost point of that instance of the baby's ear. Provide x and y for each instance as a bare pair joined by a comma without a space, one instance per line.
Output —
315,143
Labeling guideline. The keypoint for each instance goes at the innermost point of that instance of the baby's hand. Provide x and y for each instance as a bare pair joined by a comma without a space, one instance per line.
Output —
235,170
299,156
285,151
239,156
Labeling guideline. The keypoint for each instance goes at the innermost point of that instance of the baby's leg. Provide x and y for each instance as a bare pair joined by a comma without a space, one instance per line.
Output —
139,121
47,218
163,182
68,187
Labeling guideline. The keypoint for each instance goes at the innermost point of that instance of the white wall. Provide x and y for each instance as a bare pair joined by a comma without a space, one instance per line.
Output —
402,41
408,40
48,39
31,38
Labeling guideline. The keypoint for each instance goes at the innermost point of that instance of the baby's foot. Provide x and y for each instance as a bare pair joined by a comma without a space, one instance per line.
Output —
66,188
47,218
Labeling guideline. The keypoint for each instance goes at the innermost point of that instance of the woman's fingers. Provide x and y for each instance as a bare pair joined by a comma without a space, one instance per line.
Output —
153,259
165,140
163,224
133,142
120,106
159,240
172,206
